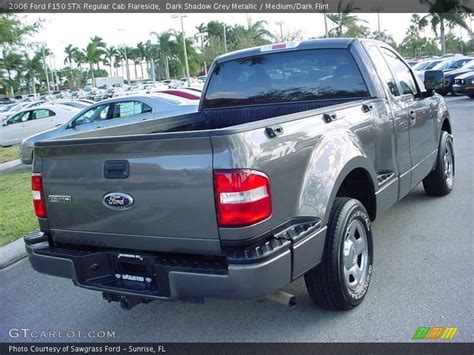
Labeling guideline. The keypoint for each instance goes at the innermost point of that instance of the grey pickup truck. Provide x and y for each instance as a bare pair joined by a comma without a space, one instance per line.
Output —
295,149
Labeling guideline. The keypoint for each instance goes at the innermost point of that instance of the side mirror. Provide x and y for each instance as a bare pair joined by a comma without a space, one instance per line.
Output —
434,80
71,125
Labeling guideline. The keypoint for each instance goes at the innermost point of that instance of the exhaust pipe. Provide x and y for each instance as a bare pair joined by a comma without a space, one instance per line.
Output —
283,298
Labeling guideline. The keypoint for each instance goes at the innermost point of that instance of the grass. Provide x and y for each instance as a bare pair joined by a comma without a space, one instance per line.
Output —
16,207
8,154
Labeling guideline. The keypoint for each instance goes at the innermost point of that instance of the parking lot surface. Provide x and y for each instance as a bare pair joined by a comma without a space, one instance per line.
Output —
423,276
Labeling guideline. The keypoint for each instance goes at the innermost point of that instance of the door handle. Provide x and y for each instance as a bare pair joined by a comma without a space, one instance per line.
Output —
412,116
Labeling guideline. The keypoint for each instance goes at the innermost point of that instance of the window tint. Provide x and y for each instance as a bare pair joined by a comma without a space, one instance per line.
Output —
21,117
98,113
130,108
401,71
285,77
383,70
43,113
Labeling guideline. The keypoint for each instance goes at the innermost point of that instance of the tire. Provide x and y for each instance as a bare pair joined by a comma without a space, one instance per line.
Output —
440,181
329,283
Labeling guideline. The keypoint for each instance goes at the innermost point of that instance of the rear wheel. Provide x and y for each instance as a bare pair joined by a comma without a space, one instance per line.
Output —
342,279
440,181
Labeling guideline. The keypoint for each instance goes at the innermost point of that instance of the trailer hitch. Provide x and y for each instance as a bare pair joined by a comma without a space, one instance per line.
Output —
126,302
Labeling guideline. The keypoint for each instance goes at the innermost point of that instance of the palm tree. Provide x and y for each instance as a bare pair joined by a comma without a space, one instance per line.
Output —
94,53
446,12
10,62
32,66
71,55
166,48
110,53
141,55
342,18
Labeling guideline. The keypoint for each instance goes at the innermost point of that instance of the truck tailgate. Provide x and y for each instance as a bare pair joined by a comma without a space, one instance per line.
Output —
169,180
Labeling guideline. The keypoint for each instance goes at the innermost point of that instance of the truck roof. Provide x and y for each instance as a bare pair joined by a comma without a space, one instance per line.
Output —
287,46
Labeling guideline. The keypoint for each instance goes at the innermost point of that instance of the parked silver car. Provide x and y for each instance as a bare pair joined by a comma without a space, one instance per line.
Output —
110,113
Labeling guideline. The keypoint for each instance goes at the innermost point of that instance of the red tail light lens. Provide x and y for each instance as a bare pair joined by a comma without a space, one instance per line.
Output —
242,197
38,196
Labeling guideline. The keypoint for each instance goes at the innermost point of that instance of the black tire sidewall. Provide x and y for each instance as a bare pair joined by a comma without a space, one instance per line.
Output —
446,140
351,211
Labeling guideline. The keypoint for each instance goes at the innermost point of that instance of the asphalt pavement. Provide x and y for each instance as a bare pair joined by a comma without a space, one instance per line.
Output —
423,276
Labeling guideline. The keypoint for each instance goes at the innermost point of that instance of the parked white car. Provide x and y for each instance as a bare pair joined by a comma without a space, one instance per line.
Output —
116,112
34,120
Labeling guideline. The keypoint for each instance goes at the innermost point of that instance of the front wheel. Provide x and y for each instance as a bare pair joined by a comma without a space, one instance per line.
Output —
440,181
342,279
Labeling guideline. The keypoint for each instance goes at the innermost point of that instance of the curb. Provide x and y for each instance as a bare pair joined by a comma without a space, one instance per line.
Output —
10,164
11,253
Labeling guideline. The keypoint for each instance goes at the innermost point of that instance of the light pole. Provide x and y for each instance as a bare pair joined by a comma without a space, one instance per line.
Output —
378,9
201,37
153,76
124,48
45,69
280,23
184,46
225,38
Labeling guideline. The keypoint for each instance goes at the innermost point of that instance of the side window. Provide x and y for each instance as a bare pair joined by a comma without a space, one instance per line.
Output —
21,117
43,113
95,114
401,71
383,70
130,108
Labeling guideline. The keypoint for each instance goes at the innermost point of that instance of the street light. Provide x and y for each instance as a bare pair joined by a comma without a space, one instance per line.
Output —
45,68
280,23
124,48
184,45
202,36
153,76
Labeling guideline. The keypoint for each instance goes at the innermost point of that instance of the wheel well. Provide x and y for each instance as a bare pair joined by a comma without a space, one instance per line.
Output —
446,126
358,185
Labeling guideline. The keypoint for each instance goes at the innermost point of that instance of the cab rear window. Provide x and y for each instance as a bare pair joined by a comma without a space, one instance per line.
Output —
285,77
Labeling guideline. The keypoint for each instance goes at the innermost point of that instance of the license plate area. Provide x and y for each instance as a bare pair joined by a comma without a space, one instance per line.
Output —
135,269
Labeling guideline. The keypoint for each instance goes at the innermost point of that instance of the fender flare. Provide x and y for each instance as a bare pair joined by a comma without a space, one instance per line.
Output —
358,162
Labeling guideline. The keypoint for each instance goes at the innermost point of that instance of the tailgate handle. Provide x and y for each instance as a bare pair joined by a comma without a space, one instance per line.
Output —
116,169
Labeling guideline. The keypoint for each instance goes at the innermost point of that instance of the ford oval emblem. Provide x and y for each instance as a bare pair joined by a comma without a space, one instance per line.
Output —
118,201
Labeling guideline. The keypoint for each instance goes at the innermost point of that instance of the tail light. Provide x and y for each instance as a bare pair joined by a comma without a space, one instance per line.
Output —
38,196
242,197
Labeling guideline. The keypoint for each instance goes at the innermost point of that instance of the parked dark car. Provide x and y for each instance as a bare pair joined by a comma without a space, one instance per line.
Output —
464,84
450,75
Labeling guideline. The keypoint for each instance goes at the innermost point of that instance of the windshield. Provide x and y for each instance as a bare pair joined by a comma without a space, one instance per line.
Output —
421,65
285,77
469,65
443,65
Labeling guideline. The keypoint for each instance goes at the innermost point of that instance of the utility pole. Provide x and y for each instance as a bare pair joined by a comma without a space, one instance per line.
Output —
45,70
280,23
184,47
225,39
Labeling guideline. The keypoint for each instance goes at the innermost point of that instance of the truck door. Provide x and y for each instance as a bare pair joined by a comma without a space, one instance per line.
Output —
401,122
420,116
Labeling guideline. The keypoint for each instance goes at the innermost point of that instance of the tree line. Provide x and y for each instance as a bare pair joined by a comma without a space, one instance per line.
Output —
24,66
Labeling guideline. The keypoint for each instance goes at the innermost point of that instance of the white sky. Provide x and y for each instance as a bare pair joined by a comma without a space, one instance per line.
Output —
59,30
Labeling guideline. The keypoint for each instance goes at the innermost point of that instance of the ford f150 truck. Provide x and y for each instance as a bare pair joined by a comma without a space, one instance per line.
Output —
296,148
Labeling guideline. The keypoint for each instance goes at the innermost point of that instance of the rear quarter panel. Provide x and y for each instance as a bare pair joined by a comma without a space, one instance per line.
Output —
305,164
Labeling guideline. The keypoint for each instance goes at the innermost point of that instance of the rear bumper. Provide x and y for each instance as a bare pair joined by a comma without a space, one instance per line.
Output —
170,279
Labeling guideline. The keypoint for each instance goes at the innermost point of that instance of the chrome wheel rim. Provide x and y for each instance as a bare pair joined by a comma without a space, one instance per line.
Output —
355,255
448,161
